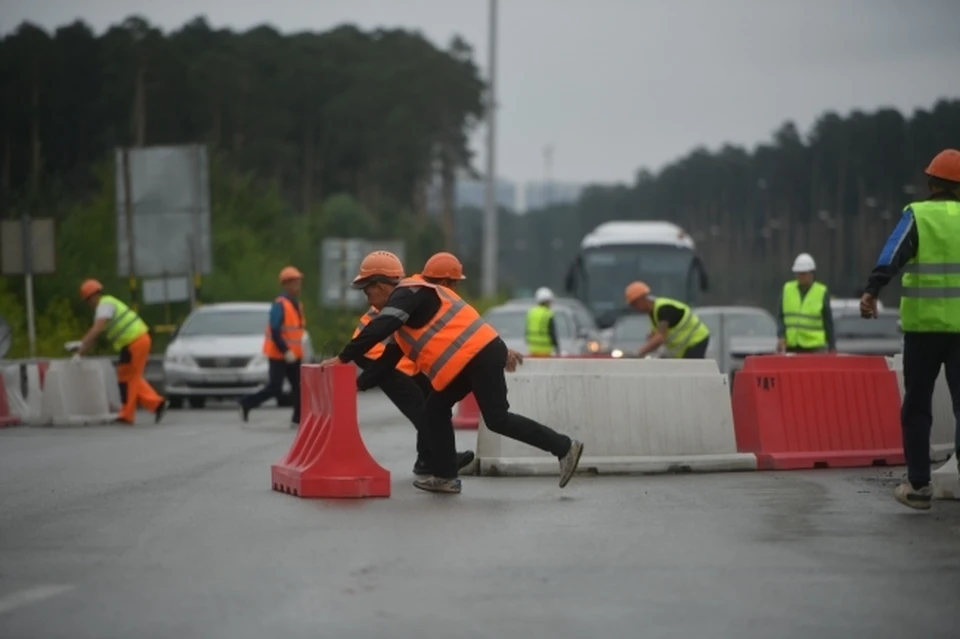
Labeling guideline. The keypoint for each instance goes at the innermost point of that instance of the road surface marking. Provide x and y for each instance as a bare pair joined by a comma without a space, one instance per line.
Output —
29,596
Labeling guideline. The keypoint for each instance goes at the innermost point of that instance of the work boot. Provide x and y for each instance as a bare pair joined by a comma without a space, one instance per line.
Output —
244,412
161,411
438,485
570,461
422,468
917,498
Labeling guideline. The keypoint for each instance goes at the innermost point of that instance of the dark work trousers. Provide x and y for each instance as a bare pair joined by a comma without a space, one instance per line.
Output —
484,376
408,394
279,368
923,355
697,351
801,349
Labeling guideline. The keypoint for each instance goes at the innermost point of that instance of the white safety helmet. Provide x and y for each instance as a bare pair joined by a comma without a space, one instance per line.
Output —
804,264
543,294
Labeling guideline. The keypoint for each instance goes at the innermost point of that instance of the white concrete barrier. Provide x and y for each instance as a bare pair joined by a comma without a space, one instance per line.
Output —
943,432
75,393
633,416
946,480
25,406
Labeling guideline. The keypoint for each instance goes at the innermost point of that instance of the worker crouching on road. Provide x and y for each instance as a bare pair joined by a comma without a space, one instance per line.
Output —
805,323
925,246
283,346
674,324
457,351
541,329
130,336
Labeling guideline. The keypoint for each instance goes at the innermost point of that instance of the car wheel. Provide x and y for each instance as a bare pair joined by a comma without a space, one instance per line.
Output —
198,402
285,401
175,402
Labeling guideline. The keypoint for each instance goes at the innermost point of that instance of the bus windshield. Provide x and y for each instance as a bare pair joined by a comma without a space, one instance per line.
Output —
608,269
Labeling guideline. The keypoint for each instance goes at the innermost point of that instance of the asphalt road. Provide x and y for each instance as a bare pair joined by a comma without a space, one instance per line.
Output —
172,531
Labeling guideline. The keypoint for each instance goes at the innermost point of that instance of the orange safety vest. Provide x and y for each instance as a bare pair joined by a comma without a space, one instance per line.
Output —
405,365
449,341
291,331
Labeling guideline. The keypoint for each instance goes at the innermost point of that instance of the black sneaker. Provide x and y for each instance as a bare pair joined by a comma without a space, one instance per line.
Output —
422,469
244,412
161,411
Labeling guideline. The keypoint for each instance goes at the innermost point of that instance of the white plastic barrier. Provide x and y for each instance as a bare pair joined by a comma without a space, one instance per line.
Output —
946,480
943,432
110,381
76,393
633,416
26,407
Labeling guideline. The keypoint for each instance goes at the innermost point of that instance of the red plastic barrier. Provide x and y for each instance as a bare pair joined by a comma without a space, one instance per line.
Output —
328,457
817,411
468,414
42,371
6,417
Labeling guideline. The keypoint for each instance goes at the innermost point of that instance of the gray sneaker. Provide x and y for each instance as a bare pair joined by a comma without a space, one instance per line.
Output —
569,462
438,485
918,499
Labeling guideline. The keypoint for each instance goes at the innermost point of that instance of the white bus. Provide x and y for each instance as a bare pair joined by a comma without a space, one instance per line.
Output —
616,253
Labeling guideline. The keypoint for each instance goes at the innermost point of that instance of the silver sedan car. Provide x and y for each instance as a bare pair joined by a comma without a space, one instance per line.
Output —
217,353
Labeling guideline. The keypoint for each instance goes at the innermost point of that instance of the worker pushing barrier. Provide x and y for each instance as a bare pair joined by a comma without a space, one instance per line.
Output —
458,352
673,323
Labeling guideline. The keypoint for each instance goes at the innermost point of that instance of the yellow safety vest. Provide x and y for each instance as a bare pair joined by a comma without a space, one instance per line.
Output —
538,330
930,295
688,332
125,326
803,317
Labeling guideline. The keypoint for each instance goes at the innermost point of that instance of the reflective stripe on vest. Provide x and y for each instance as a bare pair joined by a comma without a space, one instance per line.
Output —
538,330
405,365
688,332
291,330
454,336
125,326
930,295
803,315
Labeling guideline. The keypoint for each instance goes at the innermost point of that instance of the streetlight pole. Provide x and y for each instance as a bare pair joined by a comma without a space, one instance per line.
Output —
490,232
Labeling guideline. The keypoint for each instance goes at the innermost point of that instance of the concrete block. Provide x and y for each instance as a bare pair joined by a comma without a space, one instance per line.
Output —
75,393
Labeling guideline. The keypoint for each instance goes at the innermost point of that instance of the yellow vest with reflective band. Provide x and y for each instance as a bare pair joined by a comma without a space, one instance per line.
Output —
125,326
930,295
688,332
538,330
803,315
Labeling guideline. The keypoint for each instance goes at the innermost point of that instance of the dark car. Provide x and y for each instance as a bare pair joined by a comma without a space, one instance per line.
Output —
858,336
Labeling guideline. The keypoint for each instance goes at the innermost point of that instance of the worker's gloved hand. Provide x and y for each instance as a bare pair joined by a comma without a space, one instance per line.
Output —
73,346
514,359
290,356
868,306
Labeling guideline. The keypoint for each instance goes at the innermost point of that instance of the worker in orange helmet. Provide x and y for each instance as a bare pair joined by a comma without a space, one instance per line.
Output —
130,336
459,353
924,246
402,382
673,324
283,346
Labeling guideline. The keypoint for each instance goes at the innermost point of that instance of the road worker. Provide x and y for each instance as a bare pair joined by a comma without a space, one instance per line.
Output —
924,247
805,322
406,387
674,324
456,350
541,332
130,336
283,346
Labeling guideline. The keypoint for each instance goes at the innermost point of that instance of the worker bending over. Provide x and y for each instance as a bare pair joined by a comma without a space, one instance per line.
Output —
406,387
457,351
925,246
283,346
674,324
805,322
130,336
541,333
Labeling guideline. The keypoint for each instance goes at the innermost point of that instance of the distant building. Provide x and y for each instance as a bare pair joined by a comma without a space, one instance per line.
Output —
528,196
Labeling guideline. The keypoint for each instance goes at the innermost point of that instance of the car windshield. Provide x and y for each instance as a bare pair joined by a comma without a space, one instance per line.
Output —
511,323
853,326
740,324
224,323
632,328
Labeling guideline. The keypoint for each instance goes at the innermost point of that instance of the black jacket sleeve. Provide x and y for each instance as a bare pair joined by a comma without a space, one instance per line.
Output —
395,314
827,315
376,369
552,328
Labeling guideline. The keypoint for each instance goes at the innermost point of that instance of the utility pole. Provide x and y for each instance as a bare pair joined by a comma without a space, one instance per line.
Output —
547,175
490,232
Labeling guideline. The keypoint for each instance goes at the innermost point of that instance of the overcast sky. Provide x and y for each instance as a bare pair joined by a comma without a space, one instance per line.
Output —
616,85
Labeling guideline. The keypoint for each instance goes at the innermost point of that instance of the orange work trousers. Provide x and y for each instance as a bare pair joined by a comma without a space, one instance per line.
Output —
134,388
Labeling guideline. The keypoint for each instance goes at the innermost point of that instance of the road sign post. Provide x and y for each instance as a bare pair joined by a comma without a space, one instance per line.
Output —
28,247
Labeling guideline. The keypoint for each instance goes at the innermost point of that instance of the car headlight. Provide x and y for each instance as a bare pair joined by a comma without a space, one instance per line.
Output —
594,346
179,360
616,353
258,361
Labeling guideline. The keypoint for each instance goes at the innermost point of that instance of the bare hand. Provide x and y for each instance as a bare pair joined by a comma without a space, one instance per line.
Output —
781,345
868,306
514,359
327,363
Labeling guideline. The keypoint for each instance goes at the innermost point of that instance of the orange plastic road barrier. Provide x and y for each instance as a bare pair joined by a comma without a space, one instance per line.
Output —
468,414
6,418
328,457
42,371
817,411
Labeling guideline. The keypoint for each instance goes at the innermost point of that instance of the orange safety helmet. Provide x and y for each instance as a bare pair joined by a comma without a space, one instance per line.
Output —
382,263
89,288
290,273
635,290
444,266
946,166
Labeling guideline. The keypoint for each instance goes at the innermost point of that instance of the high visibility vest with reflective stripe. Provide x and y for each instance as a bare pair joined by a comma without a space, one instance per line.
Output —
688,332
803,315
291,331
538,330
930,296
449,341
125,326
405,365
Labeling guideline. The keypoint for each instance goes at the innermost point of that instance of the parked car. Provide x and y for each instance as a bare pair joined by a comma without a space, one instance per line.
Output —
858,336
576,329
216,353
